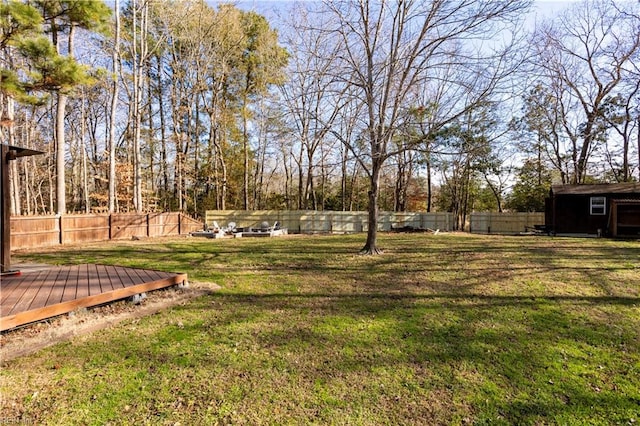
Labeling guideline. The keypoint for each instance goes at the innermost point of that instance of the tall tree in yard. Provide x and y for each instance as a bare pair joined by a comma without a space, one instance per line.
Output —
139,55
531,188
622,114
228,53
312,105
262,66
20,25
29,63
62,19
391,47
115,69
586,54
41,68
465,149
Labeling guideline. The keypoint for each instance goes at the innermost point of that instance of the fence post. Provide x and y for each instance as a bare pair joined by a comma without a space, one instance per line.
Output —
61,235
179,223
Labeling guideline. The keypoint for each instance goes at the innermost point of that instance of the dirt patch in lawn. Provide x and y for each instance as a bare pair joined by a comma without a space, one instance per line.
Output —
33,337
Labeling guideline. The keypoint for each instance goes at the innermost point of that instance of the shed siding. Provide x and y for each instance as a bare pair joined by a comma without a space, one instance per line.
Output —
568,210
573,215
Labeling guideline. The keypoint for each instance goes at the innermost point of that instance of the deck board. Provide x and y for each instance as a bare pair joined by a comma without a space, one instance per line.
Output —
71,285
103,278
38,295
31,292
15,289
55,295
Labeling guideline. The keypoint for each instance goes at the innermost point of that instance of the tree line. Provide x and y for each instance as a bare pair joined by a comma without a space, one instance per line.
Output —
402,105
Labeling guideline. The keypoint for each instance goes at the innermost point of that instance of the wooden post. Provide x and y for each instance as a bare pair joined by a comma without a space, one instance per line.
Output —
60,230
614,218
5,225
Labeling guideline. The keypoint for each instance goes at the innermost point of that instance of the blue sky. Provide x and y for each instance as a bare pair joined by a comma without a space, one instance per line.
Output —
266,7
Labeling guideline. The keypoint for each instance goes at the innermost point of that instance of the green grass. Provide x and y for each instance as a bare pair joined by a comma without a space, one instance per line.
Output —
444,329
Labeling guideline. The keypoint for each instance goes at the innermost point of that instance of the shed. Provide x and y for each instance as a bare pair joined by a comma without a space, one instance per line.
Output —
600,209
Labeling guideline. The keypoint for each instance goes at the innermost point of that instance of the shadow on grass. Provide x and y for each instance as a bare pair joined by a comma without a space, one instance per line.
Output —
385,334
519,360
471,265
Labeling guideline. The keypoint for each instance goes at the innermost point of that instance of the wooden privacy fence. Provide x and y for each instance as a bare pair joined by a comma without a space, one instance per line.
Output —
504,223
310,222
43,231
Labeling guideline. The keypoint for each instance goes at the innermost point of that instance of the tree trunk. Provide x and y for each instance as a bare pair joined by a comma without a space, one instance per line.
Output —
115,57
301,204
245,153
139,58
323,180
258,177
286,163
27,188
214,139
343,180
85,181
354,183
638,139
223,190
371,246
83,151
151,170
309,188
50,178
61,201
14,186
163,138
429,193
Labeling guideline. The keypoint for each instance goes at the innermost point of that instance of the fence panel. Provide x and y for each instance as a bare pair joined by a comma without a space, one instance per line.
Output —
348,222
188,224
44,231
161,224
437,221
290,219
313,222
34,231
504,223
128,225
83,228
407,220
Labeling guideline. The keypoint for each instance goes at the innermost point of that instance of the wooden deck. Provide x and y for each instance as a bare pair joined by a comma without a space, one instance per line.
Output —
36,295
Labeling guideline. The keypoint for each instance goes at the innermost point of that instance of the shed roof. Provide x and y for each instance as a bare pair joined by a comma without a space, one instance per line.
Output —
600,188
22,152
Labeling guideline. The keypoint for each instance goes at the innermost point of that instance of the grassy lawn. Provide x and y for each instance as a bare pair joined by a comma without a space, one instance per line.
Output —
440,329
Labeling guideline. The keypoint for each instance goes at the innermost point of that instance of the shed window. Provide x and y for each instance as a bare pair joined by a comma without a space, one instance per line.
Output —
598,205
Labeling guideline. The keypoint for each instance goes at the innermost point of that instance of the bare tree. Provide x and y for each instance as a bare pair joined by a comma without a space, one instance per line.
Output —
311,100
621,114
387,51
583,54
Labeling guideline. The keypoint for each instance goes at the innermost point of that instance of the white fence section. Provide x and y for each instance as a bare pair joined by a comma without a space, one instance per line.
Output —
313,222
390,220
504,223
